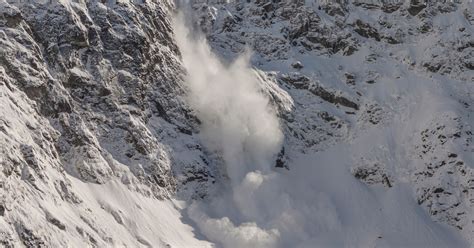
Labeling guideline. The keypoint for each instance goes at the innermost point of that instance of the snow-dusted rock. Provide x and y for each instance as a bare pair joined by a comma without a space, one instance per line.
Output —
369,72
98,137
91,94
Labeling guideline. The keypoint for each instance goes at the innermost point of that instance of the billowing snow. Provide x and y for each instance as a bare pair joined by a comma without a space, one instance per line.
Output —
295,124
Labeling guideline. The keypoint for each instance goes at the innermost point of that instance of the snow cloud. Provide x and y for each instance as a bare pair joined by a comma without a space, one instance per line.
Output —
239,124
237,120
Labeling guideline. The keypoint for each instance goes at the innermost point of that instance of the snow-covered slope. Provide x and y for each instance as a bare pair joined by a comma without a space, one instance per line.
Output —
377,122
95,133
287,124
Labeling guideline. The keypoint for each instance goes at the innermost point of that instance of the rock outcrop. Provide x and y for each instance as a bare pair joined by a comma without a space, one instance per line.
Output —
91,92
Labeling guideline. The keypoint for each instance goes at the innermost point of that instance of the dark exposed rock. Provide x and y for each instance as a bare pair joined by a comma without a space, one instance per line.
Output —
28,237
55,222
350,78
367,31
297,65
371,81
416,6
389,7
438,190
281,160
372,174
302,82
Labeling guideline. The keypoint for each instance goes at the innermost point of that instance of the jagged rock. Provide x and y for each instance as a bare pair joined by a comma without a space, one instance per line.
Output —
93,99
445,200
416,6
281,161
303,82
390,7
55,221
366,30
297,65
350,78
90,91
28,237
372,174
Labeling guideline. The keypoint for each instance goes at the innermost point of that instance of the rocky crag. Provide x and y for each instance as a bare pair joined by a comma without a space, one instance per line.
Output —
97,140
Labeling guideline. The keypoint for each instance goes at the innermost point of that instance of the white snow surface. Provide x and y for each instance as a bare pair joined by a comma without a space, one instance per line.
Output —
256,108
317,202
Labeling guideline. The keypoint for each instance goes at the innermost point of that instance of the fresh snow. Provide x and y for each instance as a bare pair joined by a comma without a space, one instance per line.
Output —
249,107
318,202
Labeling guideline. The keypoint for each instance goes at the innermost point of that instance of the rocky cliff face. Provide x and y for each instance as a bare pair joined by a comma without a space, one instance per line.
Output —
96,135
91,94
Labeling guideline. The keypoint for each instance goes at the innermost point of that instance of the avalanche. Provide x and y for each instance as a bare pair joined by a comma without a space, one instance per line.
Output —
237,124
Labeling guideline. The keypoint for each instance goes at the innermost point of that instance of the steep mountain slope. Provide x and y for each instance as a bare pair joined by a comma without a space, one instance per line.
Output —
348,124
93,125
381,91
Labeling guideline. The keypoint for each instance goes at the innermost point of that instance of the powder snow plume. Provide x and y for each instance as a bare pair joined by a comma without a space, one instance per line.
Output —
236,118
239,124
